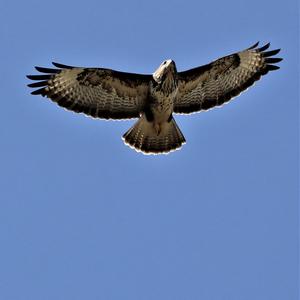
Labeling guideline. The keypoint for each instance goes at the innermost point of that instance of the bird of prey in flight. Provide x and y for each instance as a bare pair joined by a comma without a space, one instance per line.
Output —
153,99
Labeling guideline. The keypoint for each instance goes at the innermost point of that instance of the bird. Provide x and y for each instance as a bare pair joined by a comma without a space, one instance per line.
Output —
153,98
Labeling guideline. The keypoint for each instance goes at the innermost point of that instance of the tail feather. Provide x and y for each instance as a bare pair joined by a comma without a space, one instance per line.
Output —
143,137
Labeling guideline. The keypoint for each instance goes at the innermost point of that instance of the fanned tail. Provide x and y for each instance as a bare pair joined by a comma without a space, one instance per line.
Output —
143,137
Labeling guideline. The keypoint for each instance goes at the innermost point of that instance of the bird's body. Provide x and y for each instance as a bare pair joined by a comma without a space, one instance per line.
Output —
162,93
156,129
154,98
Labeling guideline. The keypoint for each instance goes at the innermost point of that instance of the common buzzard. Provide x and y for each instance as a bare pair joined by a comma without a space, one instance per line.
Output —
109,94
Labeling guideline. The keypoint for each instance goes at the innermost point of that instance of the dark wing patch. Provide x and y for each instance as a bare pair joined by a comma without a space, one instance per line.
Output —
216,83
100,93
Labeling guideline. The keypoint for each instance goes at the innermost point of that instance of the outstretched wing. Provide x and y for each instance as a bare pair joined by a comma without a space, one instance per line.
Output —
100,93
216,83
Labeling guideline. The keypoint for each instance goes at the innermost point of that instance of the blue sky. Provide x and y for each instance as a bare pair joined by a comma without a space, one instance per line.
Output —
84,217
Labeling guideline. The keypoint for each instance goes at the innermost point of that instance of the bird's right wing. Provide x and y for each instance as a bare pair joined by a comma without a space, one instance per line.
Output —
100,93
218,82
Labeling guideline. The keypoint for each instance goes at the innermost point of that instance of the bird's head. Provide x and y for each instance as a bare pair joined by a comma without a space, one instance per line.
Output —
166,69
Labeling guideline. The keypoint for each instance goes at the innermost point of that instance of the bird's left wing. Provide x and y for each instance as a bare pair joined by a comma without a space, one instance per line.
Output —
216,83
100,93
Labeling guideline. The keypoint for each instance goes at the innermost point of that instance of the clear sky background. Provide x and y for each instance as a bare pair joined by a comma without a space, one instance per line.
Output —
84,217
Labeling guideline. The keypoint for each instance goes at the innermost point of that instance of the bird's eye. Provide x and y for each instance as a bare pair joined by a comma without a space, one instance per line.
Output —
164,62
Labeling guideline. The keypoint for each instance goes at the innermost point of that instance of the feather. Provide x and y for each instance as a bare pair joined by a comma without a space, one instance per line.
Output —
273,60
47,70
253,46
38,84
263,48
39,77
272,67
61,66
39,92
271,53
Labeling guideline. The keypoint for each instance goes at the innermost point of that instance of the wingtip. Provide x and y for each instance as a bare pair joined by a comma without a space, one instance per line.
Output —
38,84
35,93
61,66
254,46
273,60
57,65
272,67
271,53
32,77
39,92
39,69
263,48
